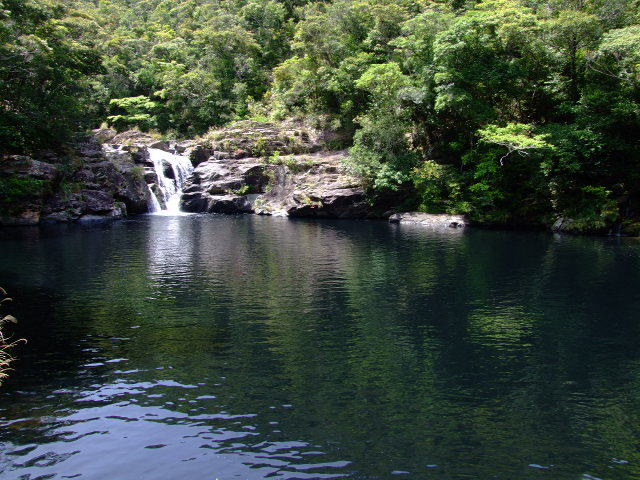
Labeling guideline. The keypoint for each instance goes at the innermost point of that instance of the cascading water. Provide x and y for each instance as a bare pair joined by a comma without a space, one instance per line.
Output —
170,189
154,205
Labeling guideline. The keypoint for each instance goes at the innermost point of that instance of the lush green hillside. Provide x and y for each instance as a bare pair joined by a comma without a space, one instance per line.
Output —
508,111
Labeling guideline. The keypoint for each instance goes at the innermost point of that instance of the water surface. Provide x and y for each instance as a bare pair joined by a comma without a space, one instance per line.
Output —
212,347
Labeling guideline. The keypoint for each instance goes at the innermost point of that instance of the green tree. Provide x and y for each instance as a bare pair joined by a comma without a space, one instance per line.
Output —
45,69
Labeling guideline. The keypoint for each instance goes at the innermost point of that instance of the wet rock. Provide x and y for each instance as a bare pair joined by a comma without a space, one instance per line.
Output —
150,176
195,202
564,225
167,170
155,190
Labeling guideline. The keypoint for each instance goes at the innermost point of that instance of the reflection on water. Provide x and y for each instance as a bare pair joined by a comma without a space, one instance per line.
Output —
246,347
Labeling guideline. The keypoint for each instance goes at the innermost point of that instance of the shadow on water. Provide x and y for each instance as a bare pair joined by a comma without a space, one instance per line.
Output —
249,347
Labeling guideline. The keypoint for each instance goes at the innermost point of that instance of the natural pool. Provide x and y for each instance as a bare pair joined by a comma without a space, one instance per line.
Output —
212,347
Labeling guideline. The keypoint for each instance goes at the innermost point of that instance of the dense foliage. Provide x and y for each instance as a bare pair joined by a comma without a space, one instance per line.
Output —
505,110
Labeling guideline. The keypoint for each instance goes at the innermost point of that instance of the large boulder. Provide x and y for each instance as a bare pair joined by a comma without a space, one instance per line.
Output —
430,220
229,204
216,185
124,179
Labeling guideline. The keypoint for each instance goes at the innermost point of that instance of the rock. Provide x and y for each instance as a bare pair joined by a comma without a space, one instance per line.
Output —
88,180
182,147
430,220
223,177
117,212
150,176
229,204
89,149
155,190
256,139
115,153
198,154
33,179
195,202
140,156
564,225
96,201
124,179
22,166
167,170
331,202
315,185
160,145
104,135
134,137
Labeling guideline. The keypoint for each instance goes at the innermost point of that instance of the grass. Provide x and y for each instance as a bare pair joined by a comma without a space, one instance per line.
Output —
5,345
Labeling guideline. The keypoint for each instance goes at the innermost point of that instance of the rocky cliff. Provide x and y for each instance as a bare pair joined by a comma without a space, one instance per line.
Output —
86,181
249,167
272,170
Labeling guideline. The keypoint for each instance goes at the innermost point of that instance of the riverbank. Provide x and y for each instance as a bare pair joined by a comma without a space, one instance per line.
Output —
287,170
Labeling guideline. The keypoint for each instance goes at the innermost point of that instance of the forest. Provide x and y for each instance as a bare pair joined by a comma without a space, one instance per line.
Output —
507,111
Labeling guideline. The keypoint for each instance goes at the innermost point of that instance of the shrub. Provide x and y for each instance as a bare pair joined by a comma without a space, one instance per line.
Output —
5,357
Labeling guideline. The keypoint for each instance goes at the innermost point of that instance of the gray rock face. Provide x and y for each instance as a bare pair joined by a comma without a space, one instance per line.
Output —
26,167
247,167
313,185
430,220
95,181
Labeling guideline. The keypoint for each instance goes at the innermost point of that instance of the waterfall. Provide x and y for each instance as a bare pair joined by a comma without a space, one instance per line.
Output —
169,188
154,204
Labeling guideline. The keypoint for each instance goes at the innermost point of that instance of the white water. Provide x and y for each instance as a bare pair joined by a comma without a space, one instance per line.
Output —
170,189
154,203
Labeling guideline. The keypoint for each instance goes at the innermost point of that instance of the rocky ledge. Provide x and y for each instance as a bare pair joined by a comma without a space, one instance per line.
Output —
87,181
248,167
267,169
297,185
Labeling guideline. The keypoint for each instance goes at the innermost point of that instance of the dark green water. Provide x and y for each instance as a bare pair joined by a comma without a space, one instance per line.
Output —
247,348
